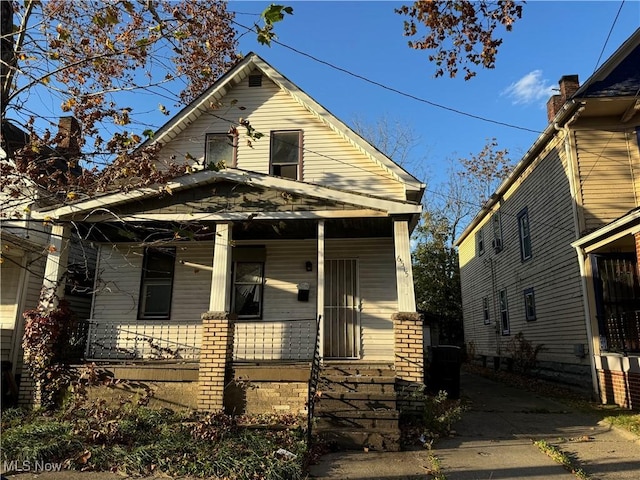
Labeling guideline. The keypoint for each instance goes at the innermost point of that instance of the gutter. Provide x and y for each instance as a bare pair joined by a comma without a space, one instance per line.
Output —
562,117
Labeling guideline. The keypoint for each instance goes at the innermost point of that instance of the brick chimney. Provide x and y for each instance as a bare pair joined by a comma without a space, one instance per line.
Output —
69,137
569,84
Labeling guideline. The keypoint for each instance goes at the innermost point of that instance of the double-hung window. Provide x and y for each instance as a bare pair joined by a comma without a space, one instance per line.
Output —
157,283
529,305
286,154
486,316
480,242
220,150
248,281
524,231
504,313
496,243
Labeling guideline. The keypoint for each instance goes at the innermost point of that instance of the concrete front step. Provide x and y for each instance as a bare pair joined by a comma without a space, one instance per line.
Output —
358,401
356,383
386,420
383,441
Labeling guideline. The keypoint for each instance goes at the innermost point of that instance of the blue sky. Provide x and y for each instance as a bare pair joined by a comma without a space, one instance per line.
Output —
551,40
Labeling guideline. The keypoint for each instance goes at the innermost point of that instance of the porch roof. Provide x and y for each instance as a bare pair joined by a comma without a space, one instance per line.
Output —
628,224
229,195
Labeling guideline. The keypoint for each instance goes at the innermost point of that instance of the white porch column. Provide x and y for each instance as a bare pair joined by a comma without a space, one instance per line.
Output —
56,266
220,299
320,296
404,272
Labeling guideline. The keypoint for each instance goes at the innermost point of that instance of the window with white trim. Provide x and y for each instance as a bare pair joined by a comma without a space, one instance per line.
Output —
524,232
286,154
529,304
480,242
220,150
504,313
485,311
156,285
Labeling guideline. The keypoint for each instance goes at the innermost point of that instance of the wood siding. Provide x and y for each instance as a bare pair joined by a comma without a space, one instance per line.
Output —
328,159
287,328
609,169
552,271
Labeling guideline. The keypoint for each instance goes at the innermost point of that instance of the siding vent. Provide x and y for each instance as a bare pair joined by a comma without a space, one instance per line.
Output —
255,80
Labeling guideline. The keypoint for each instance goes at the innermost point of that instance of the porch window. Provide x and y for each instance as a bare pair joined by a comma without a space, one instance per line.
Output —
286,154
485,310
157,283
248,281
220,147
504,313
529,305
524,231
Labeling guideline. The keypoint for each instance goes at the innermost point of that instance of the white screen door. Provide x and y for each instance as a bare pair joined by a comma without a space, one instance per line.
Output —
341,309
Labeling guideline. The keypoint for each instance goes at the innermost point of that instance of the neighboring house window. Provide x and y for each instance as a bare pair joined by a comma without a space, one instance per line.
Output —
157,283
485,311
286,154
480,242
524,230
220,148
504,313
529,304
497,233
248,281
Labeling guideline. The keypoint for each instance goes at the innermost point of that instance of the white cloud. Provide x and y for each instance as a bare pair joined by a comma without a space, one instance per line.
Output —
529,89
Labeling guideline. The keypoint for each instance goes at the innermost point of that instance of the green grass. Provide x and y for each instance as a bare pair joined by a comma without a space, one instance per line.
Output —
562,458
628,421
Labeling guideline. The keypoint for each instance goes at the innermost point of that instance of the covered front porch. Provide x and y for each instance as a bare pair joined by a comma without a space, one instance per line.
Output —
610,266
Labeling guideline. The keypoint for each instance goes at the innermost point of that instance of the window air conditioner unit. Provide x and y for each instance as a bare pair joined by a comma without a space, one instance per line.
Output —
496,244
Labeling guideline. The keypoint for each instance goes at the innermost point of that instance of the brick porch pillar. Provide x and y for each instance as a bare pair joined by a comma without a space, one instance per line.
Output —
215,359
637,237
409,347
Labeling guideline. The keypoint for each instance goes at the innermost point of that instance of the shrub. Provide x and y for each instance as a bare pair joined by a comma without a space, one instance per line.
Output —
523,353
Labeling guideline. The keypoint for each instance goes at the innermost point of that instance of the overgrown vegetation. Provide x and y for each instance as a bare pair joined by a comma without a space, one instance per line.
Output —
136,440
562,458
436,420
628,421
523,353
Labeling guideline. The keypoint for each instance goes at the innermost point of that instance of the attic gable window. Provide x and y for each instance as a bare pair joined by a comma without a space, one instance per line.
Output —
255,80
220,148
286,154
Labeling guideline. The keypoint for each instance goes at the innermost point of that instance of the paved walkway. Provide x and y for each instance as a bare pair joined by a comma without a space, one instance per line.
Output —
495,441
492,442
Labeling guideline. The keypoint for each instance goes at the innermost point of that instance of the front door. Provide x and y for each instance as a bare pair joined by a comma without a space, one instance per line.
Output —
341,310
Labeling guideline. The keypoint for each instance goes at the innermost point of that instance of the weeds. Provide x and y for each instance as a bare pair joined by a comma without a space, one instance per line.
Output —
562,458
436,468
523,353
136,440
628,421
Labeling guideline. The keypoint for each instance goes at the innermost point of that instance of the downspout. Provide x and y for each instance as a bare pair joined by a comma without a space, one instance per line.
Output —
576,226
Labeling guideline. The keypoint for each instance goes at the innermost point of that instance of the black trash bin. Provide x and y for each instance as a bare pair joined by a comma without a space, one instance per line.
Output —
444,369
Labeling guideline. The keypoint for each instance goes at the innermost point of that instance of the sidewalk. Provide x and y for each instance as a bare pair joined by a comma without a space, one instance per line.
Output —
495,441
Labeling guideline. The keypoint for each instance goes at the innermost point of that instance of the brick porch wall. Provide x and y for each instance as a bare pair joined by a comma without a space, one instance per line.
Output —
215,359
620,388
409,347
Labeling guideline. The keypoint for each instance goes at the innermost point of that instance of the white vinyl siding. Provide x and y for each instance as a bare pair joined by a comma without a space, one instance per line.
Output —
553,269
329,159
378,295
10,273
609,169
